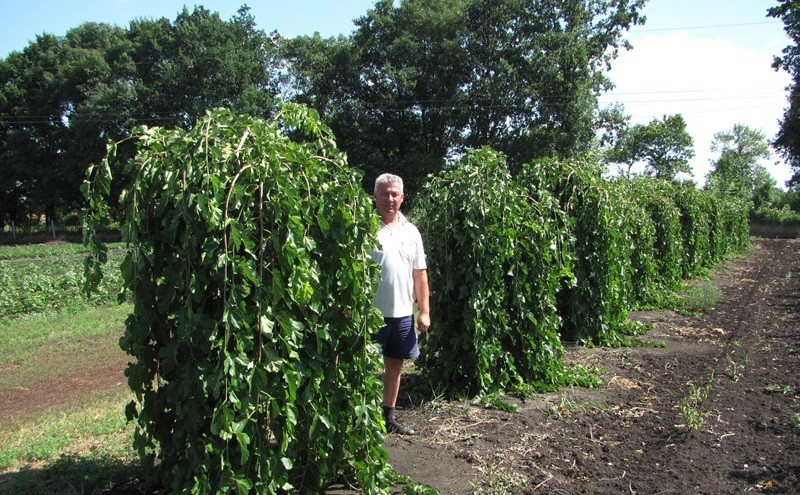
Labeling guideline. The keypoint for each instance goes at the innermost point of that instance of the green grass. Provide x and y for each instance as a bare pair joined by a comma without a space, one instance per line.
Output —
49,331
697,296
22,338
94,424
79,447
42,251
41,347
83,448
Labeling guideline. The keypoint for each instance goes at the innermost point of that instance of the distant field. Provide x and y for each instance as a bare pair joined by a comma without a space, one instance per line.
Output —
50,277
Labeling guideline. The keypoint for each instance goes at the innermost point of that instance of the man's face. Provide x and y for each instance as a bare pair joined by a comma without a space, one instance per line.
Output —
388,199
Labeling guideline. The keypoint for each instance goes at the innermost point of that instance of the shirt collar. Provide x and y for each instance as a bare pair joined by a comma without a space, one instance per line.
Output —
401,220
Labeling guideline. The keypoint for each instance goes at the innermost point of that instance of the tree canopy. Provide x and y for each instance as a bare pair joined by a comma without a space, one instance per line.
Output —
737,171
663,145
788,139
410,90
63,97
419,83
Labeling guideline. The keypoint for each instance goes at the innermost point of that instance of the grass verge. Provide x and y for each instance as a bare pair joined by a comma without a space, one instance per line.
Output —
82,448
39,347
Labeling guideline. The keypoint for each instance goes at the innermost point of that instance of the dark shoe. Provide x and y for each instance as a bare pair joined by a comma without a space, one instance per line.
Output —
394,426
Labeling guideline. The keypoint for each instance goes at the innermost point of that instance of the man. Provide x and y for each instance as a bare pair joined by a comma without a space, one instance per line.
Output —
404,281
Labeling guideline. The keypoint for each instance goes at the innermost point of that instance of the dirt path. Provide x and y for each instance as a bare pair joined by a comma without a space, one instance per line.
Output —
629,436
25,402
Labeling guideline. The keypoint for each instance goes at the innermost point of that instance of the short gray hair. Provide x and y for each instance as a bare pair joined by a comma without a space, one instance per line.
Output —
388,179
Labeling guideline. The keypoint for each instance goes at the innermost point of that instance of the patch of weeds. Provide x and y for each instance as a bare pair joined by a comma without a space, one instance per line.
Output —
690,405
582,376
494,401
436,399
794,419
409,487
635,328
697,296
499,481
735,370
774,388
647,343
570,404
766,349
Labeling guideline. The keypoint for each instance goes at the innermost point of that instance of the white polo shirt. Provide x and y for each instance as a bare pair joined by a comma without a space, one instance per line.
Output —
401,252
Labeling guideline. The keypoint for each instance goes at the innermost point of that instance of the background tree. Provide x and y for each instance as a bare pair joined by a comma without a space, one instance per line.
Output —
39,105
537,70
426,80
62,98
662,145
788,139
200,62
737,171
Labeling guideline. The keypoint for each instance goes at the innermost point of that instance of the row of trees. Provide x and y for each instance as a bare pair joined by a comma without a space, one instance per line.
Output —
554,253
63,97
249,269
409,90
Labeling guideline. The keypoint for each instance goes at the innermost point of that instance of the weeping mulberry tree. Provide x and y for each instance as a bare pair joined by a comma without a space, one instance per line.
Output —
592,299
494,270
248,263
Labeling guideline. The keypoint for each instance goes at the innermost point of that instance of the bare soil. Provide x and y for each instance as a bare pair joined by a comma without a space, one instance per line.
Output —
630,436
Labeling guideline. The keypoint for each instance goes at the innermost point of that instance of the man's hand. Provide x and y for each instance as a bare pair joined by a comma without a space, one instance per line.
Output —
423,322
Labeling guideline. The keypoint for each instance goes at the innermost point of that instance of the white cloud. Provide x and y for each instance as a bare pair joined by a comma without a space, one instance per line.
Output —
713,82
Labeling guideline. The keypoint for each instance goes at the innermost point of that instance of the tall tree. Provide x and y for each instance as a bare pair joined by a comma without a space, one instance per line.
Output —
788,139
662,145
199,62
431,78
38,110
62,98
537,68
737,171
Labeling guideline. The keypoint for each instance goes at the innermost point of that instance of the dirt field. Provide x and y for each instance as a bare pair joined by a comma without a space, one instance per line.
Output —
739,361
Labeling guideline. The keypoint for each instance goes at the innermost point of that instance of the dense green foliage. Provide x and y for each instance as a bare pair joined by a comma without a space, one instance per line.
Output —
663,145
419,81
738,171
248,264
788,139
555,253
592,301
63,97
493,256
656,199
643,284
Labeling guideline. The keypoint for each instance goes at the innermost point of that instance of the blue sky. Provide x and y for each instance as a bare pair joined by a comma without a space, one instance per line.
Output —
705,59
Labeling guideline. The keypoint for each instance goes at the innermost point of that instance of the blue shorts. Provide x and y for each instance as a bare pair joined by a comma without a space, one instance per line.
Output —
398,339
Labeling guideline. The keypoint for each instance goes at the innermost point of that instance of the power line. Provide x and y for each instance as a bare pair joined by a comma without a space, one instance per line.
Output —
709,26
